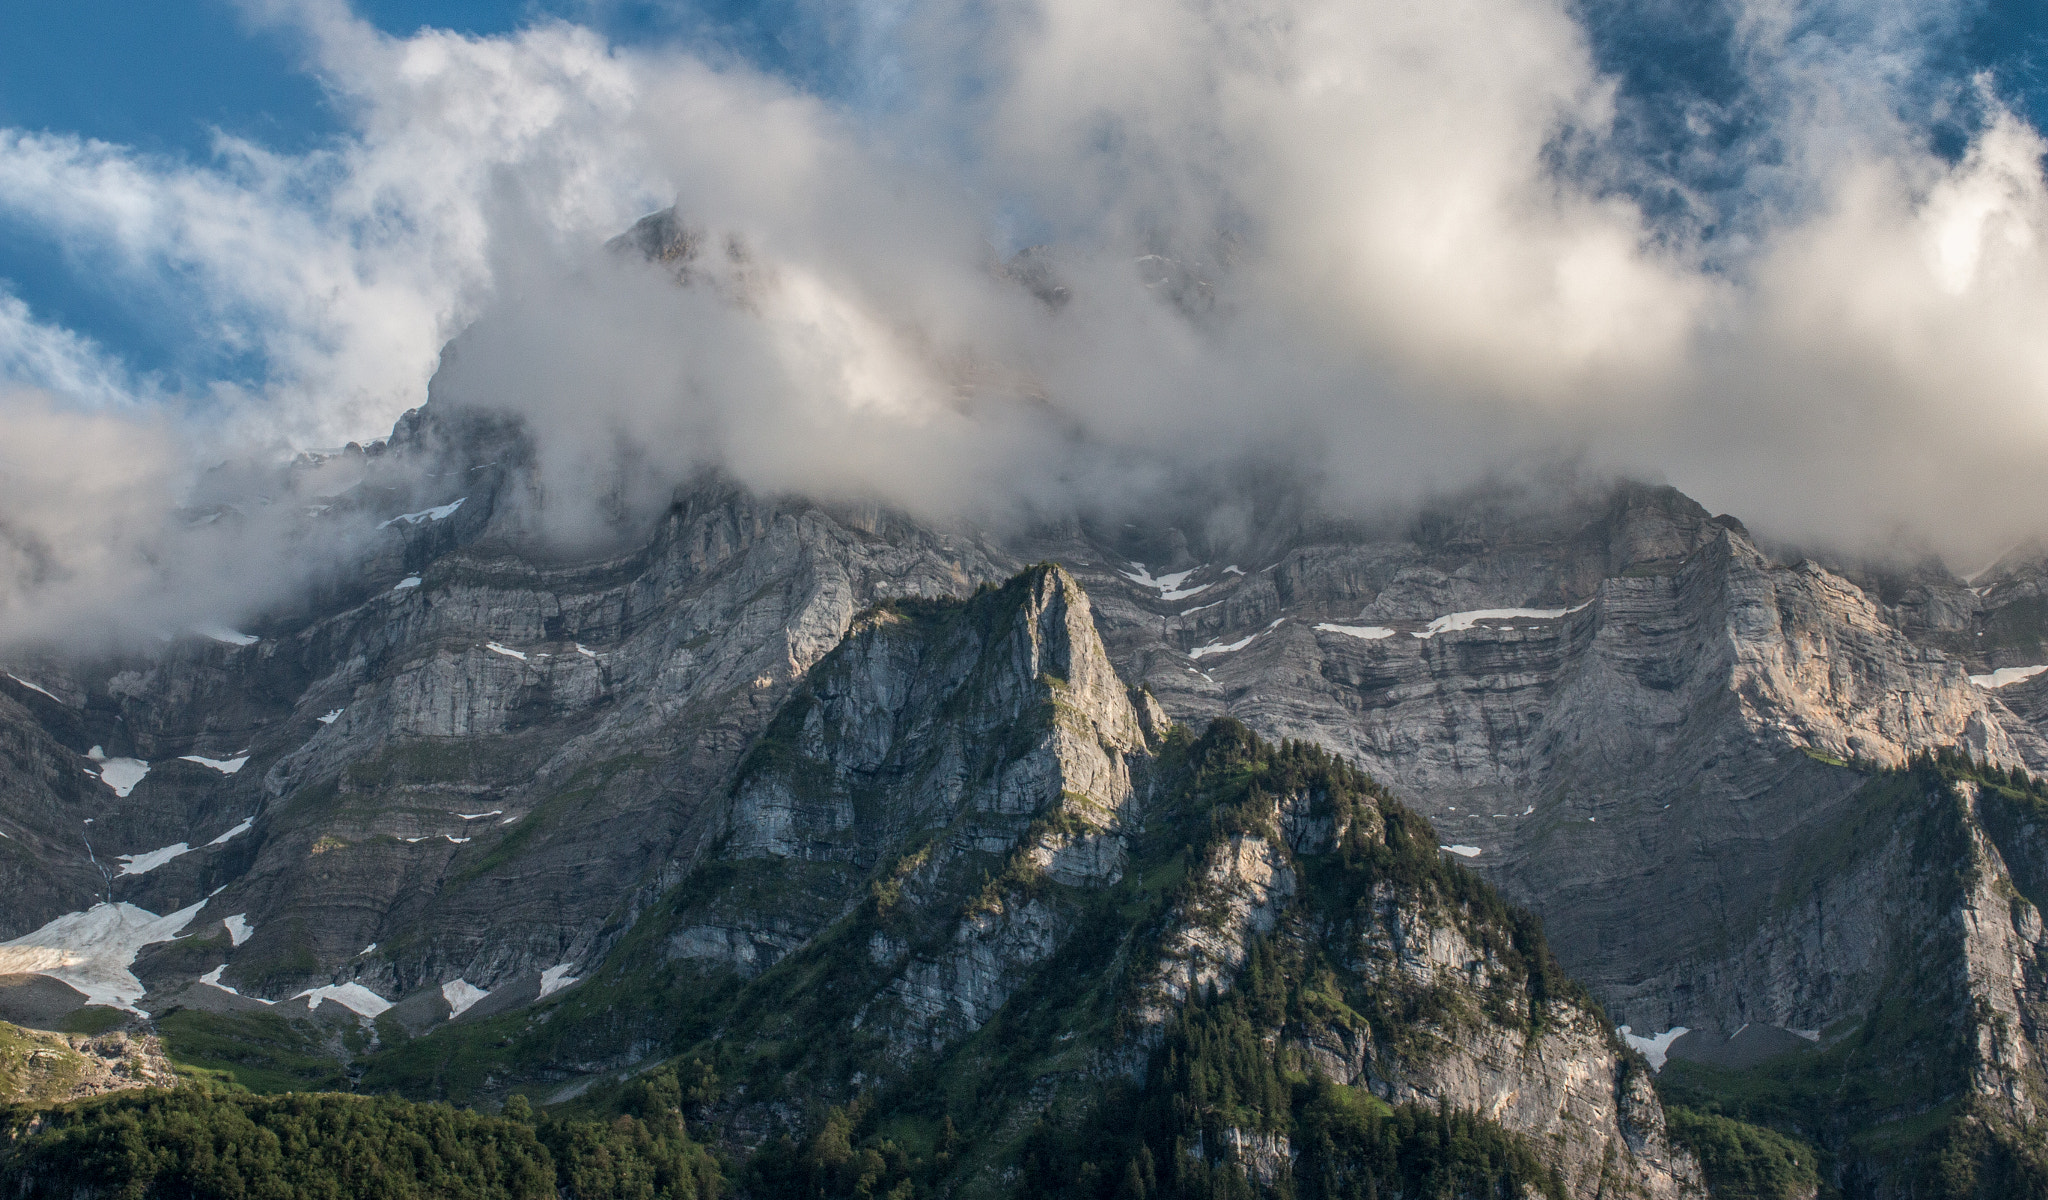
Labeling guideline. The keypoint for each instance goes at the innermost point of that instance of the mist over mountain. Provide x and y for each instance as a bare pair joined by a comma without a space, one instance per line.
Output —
1049,262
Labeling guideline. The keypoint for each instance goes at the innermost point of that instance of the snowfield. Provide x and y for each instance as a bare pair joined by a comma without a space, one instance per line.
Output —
92,950
2007,676
352,996
121,774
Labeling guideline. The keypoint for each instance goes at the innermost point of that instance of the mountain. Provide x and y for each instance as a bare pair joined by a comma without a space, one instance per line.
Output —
853,811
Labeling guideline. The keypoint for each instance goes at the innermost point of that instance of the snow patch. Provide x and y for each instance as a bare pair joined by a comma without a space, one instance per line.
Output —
212,979
1462,851
438,513
121,774
1233,569
32,687
496,812
239,928
92,950
330,718
352,996
236,832
410,581
226,766
1221,647
366,949
2007,676
555,978
1168,586
1466,620
460,995
1370,633
451,837
142,864
507,651
221,633
1653,1048
1232,647
586,651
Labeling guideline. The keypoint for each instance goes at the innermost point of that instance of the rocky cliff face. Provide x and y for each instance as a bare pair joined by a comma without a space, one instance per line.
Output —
467,773
965,862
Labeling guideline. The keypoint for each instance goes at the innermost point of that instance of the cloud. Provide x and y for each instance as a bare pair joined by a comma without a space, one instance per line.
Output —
1394,250
35,353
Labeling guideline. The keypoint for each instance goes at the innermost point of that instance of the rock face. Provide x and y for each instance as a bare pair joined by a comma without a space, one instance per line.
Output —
963,861
940,746
751,723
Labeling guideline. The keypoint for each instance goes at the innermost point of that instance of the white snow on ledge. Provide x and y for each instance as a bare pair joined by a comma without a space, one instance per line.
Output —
352,996
1653,1048
555,978
329,718
1370,633
226,766
1466,620
239,928
121,774
32,687
410,581
142,864
1463,851
92,950
221,633
1168,586
1232,647
460,995
2007,676
439,513
507,651
212,979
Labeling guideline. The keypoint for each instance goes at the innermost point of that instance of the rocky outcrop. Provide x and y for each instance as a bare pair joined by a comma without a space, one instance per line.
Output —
55,1068
1442,1006
963,753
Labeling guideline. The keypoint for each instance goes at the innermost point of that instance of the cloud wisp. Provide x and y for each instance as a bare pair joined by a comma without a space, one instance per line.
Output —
1400,249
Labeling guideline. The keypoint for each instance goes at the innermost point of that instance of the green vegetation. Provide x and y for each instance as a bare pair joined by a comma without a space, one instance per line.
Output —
36,1066
211,1143
260,1051
94,1020
1745,1162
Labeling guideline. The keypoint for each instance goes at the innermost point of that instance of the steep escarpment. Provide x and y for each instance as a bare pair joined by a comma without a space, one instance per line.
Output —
1626,711
1290,992
1911,944
974,897
467,773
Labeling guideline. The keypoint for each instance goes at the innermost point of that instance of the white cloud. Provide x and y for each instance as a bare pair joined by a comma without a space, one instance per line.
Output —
1401,257
37,354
